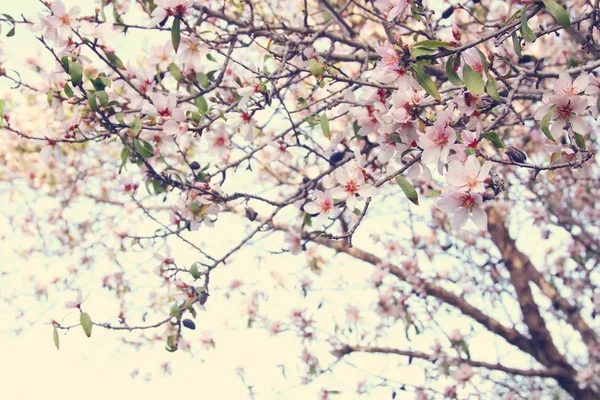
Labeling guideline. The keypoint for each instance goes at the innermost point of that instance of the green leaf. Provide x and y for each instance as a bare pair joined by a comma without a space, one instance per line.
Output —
433,44
202,79
175,311
194,271
491,88
473,80
494,138
170,346
325,126
76,72
425,81
176,33
114,60
483,59
210,57
175,71
315,67
144,148
103,97
136,126
579,140
421,51
86,323
511,18
408,190
526,31
452,75
55,338
201,104
92,100
517,44
120,117
545,123
11,33
465,348
68,90
558,12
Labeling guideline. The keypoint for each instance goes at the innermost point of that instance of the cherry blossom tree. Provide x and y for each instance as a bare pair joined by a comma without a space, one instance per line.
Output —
419,178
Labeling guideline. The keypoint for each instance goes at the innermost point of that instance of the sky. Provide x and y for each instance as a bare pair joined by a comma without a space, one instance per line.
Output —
99,367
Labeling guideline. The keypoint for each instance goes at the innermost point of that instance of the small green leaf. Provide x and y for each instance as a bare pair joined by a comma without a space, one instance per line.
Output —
425,81
545,123
55,338
558,12
175,311
194,271
526,31
92,100
210,57
517,44
103,97
473,80
491,88
452,75
136,126
433,44
68,90
315,67
175,71
579,140
11,33
114,60
76,72
120,117
170,346
144,148
494,138
201,104
86,323
176,33
325,126
408,190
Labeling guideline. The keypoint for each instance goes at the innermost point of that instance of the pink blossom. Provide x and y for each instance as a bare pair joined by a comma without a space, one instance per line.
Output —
464,205
391,9
77,302
242,121
62,20
351,186
463,374
167,8
323,205
468,176
293,237
436,143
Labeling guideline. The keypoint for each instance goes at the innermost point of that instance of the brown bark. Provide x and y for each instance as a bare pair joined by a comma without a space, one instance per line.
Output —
522,272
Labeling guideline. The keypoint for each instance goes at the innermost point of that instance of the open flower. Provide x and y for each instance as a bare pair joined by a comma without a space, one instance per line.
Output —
62,20
75,303
351,186
463,205
469,176
293,237
323,206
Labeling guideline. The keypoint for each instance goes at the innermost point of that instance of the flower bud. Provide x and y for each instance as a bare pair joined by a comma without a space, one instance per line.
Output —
448,12
195,165
336,157
251,214
188,323
516,155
